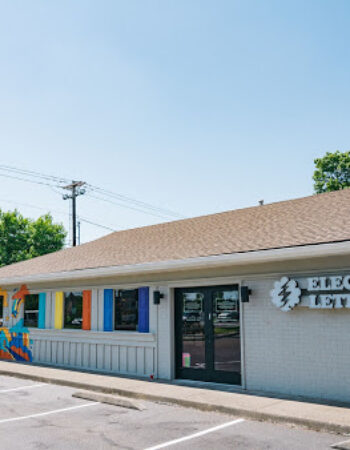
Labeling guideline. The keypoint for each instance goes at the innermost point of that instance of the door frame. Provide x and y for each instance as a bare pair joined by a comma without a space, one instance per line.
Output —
209,374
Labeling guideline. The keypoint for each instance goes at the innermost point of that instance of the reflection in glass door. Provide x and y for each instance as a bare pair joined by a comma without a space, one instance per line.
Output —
207,328
227,342
193,333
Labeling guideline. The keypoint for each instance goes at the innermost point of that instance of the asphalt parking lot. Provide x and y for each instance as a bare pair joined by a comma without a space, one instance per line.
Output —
46,416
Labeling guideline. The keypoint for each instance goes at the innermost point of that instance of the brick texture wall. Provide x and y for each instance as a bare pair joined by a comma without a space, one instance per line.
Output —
300,352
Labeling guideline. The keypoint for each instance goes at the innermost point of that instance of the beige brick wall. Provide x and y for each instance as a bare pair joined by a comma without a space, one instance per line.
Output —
300,352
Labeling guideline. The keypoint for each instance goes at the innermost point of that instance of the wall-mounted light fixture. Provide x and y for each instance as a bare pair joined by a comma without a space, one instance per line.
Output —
245,292
157,295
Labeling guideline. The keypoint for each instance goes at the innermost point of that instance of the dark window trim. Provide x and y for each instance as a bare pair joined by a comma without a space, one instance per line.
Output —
66,294
2,310
117,294
25,310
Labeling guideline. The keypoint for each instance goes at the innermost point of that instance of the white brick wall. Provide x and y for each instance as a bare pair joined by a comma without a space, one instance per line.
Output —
300,352
165,355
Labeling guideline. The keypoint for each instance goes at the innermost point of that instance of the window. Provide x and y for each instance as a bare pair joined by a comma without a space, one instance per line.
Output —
73,310
126,310
1,310
31,310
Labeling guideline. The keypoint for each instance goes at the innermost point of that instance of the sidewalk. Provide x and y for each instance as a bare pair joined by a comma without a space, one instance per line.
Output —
314,416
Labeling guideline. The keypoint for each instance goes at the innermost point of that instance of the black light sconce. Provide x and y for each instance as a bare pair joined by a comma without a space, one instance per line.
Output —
157,295
245,292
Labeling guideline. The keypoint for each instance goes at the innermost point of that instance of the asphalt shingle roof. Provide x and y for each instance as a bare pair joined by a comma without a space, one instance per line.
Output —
316,219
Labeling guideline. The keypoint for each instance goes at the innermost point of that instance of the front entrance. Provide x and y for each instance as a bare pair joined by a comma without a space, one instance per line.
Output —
207,329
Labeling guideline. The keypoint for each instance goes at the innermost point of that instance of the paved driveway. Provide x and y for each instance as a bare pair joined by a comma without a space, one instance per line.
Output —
46,416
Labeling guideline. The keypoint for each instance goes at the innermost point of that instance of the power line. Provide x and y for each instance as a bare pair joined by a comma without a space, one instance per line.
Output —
107,196
97,224
124,206
33,173
24,179
139,203
83,219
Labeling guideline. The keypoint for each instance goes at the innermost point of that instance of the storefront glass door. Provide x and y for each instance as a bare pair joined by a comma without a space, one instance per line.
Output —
207,328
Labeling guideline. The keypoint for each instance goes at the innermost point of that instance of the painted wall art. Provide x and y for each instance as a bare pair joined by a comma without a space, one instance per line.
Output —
15,343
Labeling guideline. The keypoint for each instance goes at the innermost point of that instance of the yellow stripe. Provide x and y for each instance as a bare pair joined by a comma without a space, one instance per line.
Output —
4,294
59,310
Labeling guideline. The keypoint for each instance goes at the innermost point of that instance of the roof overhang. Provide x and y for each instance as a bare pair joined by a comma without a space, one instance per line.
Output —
235,259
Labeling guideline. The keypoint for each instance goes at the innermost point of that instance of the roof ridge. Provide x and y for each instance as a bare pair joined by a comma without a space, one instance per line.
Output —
297,199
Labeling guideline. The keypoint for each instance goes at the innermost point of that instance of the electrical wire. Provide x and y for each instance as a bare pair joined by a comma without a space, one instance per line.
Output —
105,195
33,174
94,223
125,206
24,179
82,219
139,203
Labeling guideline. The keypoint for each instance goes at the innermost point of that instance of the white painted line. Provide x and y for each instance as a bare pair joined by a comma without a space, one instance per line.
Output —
196,435
341,445
55,411
21,387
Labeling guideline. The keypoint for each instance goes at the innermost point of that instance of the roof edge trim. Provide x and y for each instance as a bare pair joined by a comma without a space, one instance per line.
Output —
259,256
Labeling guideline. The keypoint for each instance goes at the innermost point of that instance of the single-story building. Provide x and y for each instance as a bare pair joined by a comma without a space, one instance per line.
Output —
257,297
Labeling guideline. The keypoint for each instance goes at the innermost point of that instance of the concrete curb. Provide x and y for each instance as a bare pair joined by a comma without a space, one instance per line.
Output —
311,424
108,399
344,445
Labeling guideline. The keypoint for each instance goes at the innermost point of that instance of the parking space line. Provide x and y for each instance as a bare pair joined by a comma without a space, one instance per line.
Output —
55,411
30,386
196,435
341,445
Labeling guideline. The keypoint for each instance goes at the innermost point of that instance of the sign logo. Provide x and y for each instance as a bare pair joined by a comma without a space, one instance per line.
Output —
285,294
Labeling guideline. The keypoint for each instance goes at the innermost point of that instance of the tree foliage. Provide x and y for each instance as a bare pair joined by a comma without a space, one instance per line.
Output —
22,238
332,172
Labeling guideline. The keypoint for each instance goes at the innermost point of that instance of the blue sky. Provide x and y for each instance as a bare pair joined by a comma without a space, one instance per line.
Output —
192,105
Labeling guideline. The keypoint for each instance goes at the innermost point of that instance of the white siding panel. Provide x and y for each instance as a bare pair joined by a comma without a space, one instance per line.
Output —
131,359
86,355
60,352
66,346
123,359
100,356
100,306
115,358
93,356
140,361
117,352
94,309
149,360
79,354
72,353
107,358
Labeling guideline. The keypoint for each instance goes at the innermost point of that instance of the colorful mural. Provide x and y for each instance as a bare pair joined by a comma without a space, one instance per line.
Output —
14,341
18,298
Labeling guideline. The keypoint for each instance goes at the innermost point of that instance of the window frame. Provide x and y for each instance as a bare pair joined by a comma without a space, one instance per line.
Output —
2,301
66,294
116,295
25,309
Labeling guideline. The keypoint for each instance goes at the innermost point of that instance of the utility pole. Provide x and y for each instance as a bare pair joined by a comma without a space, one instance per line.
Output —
76,189
78,232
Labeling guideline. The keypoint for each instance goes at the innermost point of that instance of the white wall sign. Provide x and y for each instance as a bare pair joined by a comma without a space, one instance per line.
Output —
286,294
320,293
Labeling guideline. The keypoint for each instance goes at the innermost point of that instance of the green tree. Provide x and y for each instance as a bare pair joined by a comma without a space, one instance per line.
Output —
332,172
22,238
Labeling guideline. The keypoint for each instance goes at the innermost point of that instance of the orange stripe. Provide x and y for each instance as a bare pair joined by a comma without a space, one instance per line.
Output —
6,355
86,310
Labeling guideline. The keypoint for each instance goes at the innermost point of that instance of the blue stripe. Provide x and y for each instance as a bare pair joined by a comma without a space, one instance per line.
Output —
108,310
42,310
143,310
